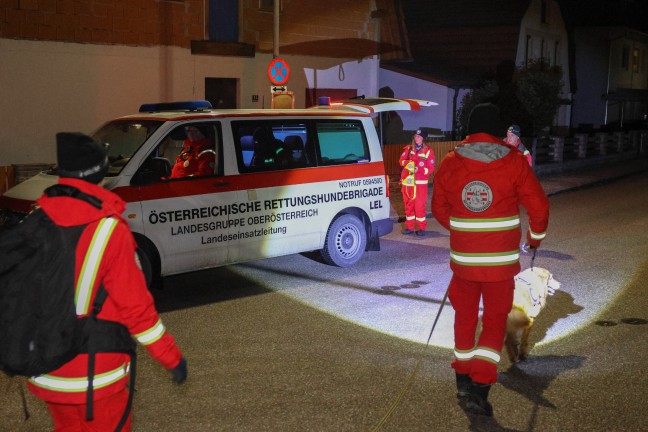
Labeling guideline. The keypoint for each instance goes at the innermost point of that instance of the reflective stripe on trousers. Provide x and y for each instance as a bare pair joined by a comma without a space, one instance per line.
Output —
80,384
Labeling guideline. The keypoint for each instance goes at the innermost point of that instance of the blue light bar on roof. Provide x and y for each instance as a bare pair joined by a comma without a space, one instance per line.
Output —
176,106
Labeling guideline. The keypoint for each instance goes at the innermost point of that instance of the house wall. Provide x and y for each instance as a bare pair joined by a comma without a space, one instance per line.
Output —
600,69
177,23
127,22
54,86
72,65
307,20
625,74
546,40
592,64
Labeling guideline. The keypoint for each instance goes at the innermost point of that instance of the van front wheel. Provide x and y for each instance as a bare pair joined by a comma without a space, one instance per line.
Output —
346,241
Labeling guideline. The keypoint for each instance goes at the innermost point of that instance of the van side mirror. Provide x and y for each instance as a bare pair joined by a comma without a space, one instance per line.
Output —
152,170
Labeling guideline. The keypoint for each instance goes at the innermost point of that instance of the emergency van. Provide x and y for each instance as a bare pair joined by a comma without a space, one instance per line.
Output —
282,182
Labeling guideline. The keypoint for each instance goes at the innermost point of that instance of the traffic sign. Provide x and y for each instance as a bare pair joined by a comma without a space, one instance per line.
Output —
276,89
278,71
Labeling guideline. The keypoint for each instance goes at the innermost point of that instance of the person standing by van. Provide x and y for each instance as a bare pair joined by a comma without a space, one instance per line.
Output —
417,161
197,156
478,190
82,164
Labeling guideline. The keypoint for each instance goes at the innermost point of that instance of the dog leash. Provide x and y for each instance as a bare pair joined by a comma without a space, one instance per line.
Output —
526,248
533,257
410,379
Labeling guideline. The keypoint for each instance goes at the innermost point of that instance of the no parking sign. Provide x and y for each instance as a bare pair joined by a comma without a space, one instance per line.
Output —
278,71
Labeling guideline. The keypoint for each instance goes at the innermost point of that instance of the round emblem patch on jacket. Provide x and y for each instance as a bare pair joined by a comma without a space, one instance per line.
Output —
477,196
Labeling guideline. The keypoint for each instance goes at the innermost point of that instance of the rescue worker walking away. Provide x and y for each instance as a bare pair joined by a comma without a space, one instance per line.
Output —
417,161
477,193
82,164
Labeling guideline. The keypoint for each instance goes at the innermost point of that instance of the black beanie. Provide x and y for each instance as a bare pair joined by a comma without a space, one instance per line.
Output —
79,156
485,118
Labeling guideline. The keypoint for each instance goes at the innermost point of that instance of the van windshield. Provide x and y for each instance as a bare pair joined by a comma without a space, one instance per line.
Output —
122,139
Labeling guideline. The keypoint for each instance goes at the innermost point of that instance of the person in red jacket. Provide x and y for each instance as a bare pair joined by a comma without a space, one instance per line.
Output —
513,135
477,193
197,157
417,161
82,164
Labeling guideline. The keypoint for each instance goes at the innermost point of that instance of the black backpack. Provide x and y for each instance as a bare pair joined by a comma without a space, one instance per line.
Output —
39,328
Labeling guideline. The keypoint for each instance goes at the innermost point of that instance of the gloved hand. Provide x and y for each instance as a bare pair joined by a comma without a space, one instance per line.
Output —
526,248
179,373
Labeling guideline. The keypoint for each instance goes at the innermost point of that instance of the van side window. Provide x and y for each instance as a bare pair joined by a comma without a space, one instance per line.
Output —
341,142
268,145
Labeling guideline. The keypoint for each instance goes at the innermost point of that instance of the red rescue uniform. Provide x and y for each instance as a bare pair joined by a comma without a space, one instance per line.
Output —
477,193
418,165
195,159
129,302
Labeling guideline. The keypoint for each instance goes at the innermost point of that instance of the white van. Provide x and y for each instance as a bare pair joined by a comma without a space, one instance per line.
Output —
331,193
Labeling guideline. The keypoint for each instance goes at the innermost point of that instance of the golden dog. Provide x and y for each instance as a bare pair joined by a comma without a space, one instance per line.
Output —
532,286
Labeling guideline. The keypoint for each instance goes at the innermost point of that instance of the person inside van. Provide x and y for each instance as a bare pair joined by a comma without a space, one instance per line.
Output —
197,157
269,152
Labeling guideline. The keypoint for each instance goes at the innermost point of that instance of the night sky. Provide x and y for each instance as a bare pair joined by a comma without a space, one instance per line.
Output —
626,13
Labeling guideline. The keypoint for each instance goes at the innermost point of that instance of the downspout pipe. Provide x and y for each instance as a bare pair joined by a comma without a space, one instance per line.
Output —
275,39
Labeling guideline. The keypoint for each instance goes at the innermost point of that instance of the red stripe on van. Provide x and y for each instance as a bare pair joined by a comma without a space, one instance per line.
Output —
188,187
414,106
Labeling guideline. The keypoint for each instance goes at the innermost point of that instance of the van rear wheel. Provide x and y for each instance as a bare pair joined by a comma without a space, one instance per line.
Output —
346,241
150,261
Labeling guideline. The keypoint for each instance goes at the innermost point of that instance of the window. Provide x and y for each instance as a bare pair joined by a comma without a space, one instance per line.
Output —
625,57
635,60
223,20
543,12
269,145
341,142
122,138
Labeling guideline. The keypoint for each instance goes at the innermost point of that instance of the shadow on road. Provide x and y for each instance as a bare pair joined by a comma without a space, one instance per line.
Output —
559,306
204,287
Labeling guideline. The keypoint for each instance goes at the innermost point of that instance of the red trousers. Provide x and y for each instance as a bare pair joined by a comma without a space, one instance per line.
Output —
107,413
415,199
479,360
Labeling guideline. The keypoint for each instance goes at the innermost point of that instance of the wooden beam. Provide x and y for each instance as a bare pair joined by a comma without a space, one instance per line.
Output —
234,49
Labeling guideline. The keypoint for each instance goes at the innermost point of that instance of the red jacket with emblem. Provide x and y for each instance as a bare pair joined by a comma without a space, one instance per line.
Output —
478,189
129,301
423,160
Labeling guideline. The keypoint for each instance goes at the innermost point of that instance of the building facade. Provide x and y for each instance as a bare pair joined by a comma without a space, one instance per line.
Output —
73,64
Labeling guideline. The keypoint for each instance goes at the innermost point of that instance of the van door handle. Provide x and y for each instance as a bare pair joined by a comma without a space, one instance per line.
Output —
223,184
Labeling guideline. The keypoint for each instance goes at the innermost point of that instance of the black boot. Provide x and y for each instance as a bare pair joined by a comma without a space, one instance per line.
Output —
478,400
463,386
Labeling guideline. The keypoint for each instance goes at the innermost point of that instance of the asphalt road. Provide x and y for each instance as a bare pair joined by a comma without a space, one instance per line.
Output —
290,344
